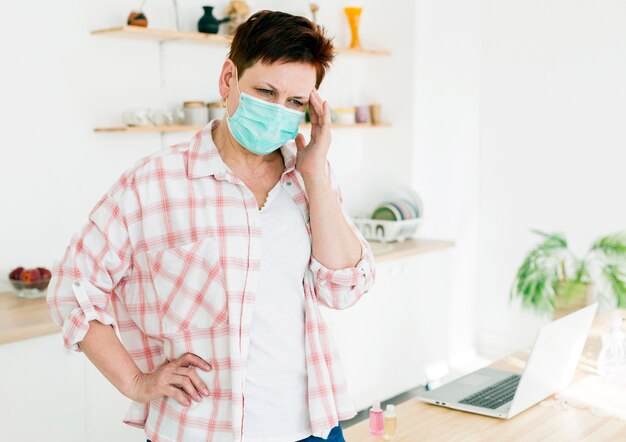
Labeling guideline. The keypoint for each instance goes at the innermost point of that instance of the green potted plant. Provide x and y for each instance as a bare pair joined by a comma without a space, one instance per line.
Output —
552,280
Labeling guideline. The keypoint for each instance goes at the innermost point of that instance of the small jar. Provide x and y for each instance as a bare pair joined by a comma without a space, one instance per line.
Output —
362,114
344,115
375,113
216,110
196,113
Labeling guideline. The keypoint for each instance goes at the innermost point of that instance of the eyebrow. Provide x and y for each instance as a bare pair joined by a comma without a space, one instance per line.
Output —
275,89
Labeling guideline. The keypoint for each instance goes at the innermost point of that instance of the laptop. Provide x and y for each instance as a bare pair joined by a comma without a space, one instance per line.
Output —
550,368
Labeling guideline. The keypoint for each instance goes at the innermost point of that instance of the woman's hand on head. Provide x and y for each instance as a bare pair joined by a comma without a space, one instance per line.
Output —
177,379
311,159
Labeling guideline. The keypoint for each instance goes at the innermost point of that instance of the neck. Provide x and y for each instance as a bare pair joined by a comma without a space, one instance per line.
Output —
237,157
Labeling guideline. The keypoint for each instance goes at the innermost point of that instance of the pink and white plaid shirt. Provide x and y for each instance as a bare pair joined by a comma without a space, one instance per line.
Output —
174,245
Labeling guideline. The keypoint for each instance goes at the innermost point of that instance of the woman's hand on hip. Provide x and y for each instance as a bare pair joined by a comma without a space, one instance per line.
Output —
177,379
311,159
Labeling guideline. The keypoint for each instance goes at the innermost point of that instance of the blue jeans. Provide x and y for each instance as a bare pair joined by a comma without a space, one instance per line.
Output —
335,435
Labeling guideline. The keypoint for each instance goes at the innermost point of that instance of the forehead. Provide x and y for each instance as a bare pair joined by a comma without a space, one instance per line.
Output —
292,78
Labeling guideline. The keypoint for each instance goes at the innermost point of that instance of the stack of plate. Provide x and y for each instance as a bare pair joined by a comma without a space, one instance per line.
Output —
396,210
396,219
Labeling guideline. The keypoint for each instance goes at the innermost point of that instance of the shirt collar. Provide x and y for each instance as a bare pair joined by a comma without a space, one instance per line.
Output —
204,159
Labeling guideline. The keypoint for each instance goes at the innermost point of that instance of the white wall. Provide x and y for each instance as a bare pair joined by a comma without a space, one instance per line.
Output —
552,138
445,156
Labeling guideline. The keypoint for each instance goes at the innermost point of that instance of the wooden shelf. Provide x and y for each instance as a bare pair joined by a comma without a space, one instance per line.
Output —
350,125
197,128
384,252
148,129
372,52
165,35
161,35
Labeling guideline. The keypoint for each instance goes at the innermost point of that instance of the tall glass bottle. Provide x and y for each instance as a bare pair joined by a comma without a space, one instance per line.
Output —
390,422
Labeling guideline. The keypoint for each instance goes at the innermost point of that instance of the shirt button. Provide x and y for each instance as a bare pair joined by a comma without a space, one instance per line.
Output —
77,284
289,183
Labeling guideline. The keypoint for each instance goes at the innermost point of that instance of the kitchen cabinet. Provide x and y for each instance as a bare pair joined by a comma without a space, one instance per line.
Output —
50,393
396,329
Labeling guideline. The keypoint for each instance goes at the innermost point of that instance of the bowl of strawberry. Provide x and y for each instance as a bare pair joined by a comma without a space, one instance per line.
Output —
30,283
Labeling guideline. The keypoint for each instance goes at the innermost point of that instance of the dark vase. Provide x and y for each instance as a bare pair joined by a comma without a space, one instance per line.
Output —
208,23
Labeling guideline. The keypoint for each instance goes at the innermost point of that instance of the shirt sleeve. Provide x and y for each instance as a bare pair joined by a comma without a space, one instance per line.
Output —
342,288
96,259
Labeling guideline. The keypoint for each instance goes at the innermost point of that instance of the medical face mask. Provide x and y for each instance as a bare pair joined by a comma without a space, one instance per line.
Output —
262,127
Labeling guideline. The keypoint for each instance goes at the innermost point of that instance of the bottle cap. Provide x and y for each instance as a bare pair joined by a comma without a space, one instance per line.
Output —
390,410
376,406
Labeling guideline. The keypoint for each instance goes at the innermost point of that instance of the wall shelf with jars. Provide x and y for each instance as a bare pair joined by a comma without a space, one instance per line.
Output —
194,115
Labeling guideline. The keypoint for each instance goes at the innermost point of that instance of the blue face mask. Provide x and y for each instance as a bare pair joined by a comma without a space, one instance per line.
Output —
260,126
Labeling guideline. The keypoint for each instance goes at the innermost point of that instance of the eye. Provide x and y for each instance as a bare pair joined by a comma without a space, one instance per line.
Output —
298,103
265,91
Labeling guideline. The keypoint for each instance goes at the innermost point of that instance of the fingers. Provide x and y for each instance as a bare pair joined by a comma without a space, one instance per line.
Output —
320,112
312,112
191,359
315,107
177,394
194,378
327,119
180,380
300,142
185,383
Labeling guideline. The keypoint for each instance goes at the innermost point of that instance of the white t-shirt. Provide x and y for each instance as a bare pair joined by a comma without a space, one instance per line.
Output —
275,391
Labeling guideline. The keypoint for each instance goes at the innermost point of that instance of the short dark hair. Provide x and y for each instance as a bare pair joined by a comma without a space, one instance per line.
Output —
275,36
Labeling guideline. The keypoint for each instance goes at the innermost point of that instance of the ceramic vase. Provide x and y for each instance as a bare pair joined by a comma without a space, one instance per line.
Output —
208,23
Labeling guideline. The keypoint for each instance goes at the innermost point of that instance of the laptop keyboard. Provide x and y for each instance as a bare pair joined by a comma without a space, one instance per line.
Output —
494,396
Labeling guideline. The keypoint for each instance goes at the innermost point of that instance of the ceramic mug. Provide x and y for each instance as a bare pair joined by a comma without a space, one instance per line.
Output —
362,114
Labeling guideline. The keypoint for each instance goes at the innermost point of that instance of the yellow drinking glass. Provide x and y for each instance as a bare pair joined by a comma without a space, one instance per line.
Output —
354,14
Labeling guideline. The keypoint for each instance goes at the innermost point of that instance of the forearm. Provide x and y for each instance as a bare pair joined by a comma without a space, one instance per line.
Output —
334,244
104,349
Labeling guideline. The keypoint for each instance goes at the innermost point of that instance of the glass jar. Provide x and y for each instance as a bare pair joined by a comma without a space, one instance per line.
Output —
343,115
196,113
216,110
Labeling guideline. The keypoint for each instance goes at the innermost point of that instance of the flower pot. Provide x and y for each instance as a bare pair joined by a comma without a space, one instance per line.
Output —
570,296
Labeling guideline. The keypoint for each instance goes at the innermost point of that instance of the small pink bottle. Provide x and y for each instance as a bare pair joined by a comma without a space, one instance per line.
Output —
376,419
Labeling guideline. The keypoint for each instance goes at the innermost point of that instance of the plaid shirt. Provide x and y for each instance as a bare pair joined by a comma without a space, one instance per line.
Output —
174,246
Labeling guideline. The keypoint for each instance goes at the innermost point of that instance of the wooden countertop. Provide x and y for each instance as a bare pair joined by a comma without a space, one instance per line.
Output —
384,252
24,318
421,421
29,318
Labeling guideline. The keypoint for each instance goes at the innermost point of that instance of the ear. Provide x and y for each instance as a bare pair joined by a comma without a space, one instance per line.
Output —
227,74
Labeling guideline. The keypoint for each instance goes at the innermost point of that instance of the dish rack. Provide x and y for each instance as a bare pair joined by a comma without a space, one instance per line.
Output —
386,230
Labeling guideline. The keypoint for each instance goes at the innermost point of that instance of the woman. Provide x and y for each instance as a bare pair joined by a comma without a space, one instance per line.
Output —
215,254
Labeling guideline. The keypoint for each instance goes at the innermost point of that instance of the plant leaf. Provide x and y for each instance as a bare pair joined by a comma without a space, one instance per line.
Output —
535,278
612,246
617,281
